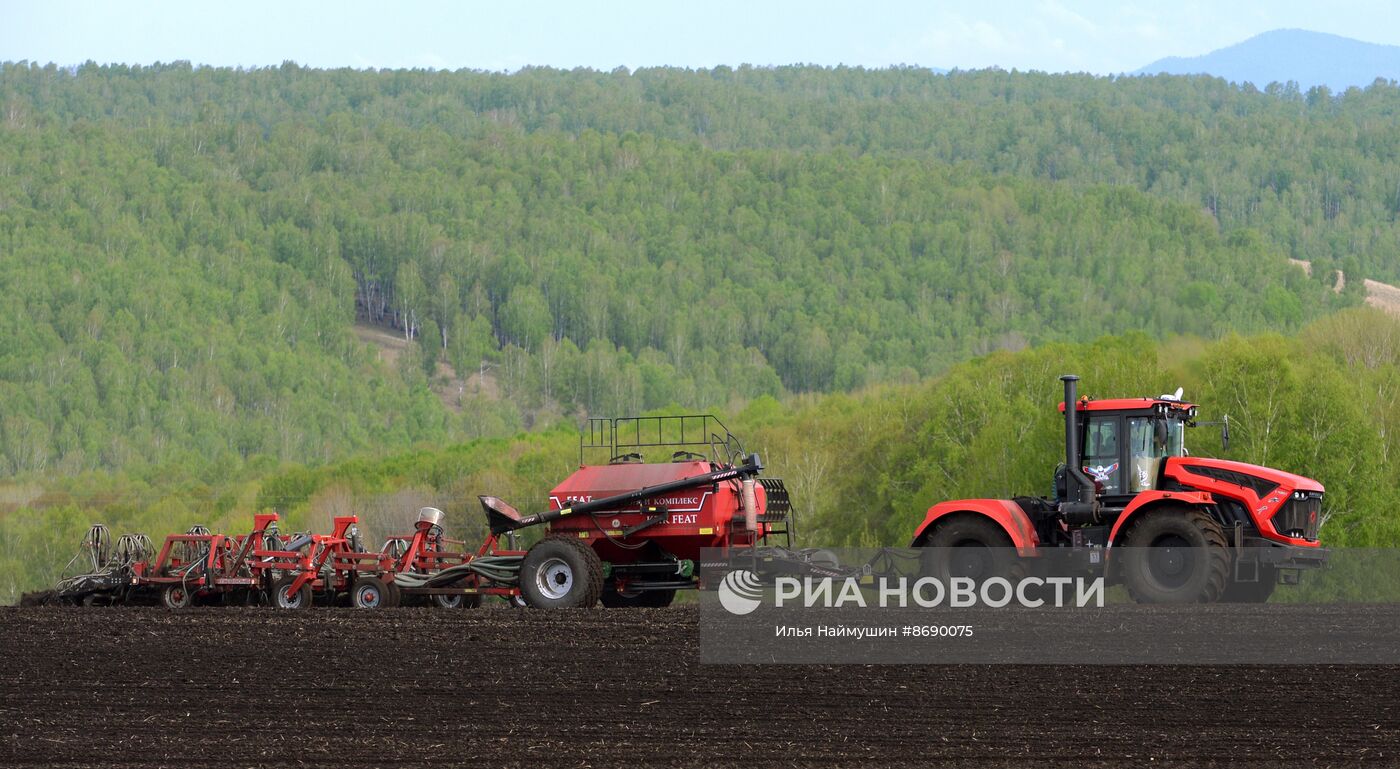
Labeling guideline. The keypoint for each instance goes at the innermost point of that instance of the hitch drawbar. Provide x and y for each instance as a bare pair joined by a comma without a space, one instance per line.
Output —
502,519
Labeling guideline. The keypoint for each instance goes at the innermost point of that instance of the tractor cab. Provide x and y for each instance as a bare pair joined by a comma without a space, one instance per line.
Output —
1126,442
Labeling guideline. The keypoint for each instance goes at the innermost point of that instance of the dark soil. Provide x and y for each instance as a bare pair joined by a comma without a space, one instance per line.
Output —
496,687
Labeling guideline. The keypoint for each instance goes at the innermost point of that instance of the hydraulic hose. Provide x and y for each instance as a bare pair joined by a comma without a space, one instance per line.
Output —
497,568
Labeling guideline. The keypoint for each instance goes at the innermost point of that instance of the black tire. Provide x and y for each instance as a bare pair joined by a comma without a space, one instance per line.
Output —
1252,592
176,597
240,597
970,546
457,601
282,600
642,599
440,601
561,573
1174,555
371,593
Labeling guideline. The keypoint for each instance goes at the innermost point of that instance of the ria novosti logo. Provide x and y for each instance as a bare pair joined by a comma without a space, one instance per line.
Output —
740,592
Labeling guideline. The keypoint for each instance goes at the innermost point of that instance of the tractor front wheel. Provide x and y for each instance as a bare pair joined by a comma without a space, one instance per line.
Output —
1174,555
561,573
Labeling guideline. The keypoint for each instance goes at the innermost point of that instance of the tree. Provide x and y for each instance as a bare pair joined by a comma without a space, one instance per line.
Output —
409,294
446,303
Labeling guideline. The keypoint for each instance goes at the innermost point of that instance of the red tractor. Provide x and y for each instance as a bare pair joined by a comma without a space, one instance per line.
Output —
1170,527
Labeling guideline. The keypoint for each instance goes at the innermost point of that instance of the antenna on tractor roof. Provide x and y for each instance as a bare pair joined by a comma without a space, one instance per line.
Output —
1176,396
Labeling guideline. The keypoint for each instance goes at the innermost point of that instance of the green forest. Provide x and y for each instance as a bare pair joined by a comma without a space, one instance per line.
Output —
873,274
863,467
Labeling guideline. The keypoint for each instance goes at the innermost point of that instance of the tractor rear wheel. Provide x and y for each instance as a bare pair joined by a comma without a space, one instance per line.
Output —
971,546
371,593
282,599
1175,555
561,573
640,599
1252,592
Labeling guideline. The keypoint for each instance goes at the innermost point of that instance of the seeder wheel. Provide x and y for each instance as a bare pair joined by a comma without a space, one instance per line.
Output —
240,597
640,599
372,593
561,573
175,597
459,601
301,599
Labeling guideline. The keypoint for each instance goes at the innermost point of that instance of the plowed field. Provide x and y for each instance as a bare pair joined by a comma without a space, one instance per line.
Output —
496,687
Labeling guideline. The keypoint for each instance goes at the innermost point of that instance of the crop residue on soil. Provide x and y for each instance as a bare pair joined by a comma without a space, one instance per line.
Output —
414,687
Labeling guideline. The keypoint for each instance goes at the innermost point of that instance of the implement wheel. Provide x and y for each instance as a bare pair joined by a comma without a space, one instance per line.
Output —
459,601
640,599
1175,555
175,597
561,573
240,597
372,593
282,599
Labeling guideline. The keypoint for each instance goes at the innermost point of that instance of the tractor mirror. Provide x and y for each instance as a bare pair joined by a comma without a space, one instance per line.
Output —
1225,434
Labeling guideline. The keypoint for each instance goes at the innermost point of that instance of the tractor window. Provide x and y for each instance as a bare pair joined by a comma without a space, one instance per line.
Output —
1152,441
1101,457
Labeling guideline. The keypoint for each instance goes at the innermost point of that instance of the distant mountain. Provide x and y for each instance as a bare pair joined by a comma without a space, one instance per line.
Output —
1309,58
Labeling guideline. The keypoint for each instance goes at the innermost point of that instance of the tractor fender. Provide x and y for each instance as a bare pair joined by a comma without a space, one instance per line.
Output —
1148,500
1004,512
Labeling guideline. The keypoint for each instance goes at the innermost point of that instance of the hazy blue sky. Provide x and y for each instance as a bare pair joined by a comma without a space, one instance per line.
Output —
1100,36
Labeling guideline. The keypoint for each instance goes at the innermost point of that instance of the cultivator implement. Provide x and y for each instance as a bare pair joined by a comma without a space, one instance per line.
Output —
106,569
628,533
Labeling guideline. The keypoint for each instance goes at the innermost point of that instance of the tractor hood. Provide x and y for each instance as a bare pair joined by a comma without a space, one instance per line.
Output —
1283,478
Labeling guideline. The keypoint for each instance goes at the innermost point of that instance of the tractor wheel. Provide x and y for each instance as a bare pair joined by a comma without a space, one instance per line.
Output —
1252,592
640,599
561,573
971,546
175,597
370,593
301,599
1175,555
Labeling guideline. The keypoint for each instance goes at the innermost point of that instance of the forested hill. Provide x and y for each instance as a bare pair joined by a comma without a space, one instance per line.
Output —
1316,172
184,251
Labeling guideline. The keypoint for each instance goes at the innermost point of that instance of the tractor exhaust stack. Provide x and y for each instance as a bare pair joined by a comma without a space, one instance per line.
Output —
1080,504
